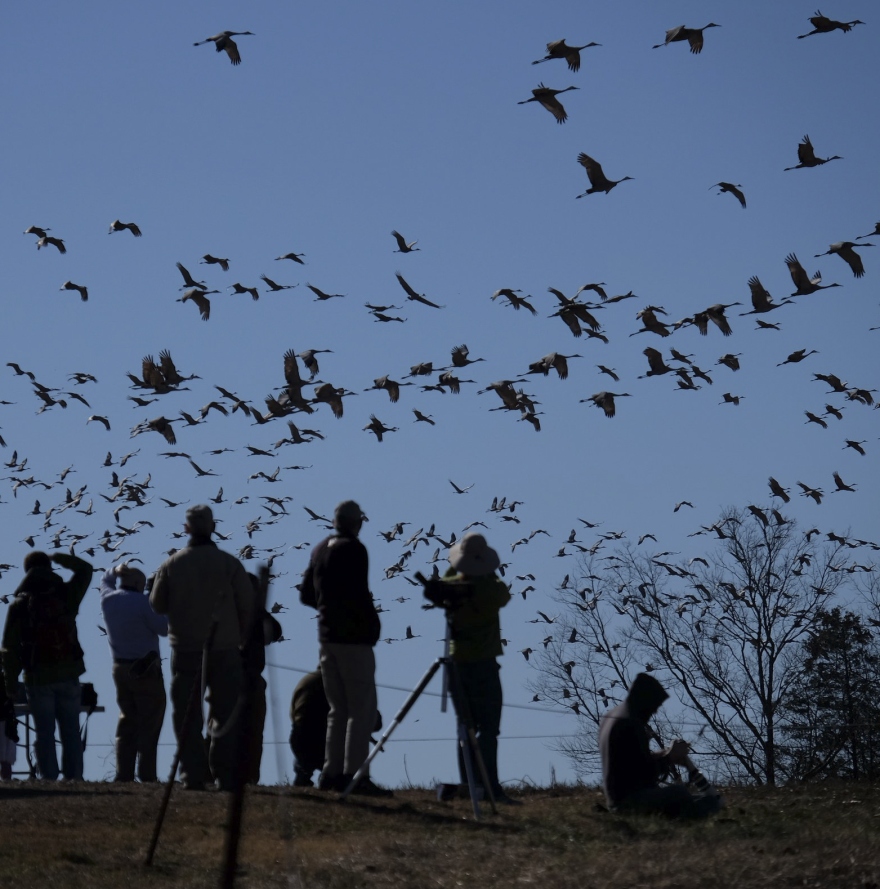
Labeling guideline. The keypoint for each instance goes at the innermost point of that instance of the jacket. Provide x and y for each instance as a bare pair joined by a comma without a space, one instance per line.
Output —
476,629
194,584
335,583
23,647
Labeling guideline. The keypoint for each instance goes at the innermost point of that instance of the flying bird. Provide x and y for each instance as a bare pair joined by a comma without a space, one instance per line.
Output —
694,37
514,300
294,256
605,400
844,249
559,49
223,42
207,259
197,295
598,180
802,281
402,246
47,240
83,291
727,187
824,25
547,98
117,226
807,156
411,294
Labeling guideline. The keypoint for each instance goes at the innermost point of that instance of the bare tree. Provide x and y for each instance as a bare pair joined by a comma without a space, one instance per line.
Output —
721,631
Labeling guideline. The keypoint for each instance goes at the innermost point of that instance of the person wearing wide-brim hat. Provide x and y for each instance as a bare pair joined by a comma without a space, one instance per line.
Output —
476,643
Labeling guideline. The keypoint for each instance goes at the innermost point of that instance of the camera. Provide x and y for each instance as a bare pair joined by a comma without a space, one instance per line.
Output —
448,594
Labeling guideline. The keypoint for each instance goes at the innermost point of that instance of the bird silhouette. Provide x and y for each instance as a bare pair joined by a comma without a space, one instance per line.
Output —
694,37
559,49
598,180
547,97
223,42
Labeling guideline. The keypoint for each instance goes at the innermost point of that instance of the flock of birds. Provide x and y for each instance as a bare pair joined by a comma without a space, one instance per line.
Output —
301,394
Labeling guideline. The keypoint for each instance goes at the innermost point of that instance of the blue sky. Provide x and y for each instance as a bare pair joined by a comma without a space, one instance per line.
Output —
345,121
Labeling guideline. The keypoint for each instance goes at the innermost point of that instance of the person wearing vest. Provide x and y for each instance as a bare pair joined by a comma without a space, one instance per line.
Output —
133,631
40,638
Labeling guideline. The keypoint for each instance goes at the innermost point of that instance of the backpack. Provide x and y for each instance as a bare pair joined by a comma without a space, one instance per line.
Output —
48,632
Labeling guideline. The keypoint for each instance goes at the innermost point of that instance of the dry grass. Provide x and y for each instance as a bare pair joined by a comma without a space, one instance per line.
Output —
95,835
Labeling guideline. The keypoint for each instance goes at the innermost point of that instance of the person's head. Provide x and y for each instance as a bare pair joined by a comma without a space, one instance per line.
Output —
199,521
131,578
645,696
37,559
348,518
473,557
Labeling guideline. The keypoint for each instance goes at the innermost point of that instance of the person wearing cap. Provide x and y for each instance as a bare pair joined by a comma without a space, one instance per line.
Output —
475,643
133,631
631,770
195,587
40,638
336,583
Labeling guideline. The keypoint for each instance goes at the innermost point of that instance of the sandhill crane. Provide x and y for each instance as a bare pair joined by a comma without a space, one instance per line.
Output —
761,300
554,361
805,285
797,356
460,356
223,42
610,371
197,295
605,400
329,394
294,256
558,49
694,37
207,259
824,25
380,316
807,157
240,288
402,246
598,180
83,291
815,493
514,300
46,240
716,315
596,288
650,322
452,382
776,490
276,287
731,361
188,279
377,427
873,234
390,386
620,297
102,420
36,230
160,425
834,381
293,390
832,411
856,446
727,398
729,188
656,363
423,418
812,418
411,294
765,325
547,98
505,391
309,360
573,314
844,249
842,485
459,489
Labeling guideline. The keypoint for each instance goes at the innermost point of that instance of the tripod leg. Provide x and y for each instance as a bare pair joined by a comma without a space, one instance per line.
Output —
429,675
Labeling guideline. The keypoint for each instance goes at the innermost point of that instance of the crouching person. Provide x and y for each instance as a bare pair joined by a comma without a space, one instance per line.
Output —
133,631
631,770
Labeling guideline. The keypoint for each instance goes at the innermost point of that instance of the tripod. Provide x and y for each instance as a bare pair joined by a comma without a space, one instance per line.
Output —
467,737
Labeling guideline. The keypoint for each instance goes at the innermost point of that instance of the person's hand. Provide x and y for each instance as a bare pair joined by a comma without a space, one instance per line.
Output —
63,559
677,752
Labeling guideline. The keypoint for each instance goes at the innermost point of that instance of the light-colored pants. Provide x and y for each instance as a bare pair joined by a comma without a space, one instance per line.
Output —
349,673
57,701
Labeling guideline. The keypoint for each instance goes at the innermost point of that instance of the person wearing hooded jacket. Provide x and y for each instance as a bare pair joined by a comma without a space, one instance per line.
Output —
475,643
631,770
40,638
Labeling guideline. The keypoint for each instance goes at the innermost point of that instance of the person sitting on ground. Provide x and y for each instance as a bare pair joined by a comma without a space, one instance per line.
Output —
133,631
40,638
631,770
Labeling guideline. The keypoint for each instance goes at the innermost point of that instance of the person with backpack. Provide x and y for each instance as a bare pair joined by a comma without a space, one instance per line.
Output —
40,638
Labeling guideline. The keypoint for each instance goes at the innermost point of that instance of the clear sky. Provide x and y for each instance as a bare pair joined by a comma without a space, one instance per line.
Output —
347,120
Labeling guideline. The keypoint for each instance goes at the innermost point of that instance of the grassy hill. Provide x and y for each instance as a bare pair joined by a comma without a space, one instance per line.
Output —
94,835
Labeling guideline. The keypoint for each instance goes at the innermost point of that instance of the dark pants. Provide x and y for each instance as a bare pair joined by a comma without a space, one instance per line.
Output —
224,684
308,742
481,690
141,703
253,738
671,801
57,701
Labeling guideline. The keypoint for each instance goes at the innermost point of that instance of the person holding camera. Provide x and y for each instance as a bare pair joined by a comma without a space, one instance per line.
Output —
631,770
475,643
133,631
336,583
40,638
209,602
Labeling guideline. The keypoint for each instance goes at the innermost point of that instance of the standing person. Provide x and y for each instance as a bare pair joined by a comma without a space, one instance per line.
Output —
198,585
335,583
40,638
631,770
476,643
133,631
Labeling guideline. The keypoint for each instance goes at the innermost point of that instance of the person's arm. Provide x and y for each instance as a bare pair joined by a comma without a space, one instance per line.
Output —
159,594
158,623
108,582
243,595
11,654
306,587
78,585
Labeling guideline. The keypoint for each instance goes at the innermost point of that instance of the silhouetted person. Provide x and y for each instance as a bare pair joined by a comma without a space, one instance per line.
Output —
308,733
